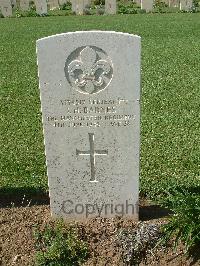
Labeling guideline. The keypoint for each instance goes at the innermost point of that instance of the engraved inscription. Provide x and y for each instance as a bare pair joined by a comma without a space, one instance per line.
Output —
88,69
93,113
92,153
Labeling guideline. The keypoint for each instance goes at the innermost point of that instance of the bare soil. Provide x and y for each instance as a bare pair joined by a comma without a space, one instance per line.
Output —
17,245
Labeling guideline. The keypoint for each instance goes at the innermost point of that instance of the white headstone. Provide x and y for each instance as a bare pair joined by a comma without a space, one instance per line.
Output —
173,3
90,96
41,7
186,5
190,4
14,3
6,8
87,3
78,6
73,2
24,5
138,2
147,5
73,5
62,2
53,4
110,7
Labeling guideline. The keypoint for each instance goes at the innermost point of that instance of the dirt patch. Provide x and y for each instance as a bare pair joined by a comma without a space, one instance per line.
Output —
17,243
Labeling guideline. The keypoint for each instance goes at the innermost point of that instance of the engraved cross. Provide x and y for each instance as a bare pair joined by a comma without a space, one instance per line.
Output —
92,153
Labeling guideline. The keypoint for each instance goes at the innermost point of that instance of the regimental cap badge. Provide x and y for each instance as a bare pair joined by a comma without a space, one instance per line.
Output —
89,70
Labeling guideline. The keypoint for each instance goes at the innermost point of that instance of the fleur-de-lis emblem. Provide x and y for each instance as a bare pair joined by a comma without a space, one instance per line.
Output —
89,73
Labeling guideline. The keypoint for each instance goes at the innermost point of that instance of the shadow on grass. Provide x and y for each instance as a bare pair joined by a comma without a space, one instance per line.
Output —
26,196
195,255
22,197
152,212
149,211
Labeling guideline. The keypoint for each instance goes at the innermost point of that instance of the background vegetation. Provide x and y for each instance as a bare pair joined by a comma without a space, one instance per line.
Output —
98,7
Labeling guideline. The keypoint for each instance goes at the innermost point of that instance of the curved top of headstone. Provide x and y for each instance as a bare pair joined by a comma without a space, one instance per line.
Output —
91,60
98,32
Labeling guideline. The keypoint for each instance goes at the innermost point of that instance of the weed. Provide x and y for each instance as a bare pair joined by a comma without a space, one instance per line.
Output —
59,245
184,225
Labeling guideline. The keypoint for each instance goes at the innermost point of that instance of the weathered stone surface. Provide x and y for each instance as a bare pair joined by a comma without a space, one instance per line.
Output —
41,7
90,95
62,2
173,3
6,8
24,5
110,7
138,2
186,5
73,5
78,6
147,5
53,4
14,3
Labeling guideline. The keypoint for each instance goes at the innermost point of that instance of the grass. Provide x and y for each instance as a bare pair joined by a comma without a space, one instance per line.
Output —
170,146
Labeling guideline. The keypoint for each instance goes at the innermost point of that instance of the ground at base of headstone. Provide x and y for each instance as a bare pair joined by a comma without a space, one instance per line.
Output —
110,241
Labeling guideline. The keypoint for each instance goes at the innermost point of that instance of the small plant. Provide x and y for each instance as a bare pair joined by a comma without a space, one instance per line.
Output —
31,13
142,11
63,7
66,6
32,6
196,3
87,11
100,11
59,246
128,8
195,6
159,3
18,13
184,225
99,2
